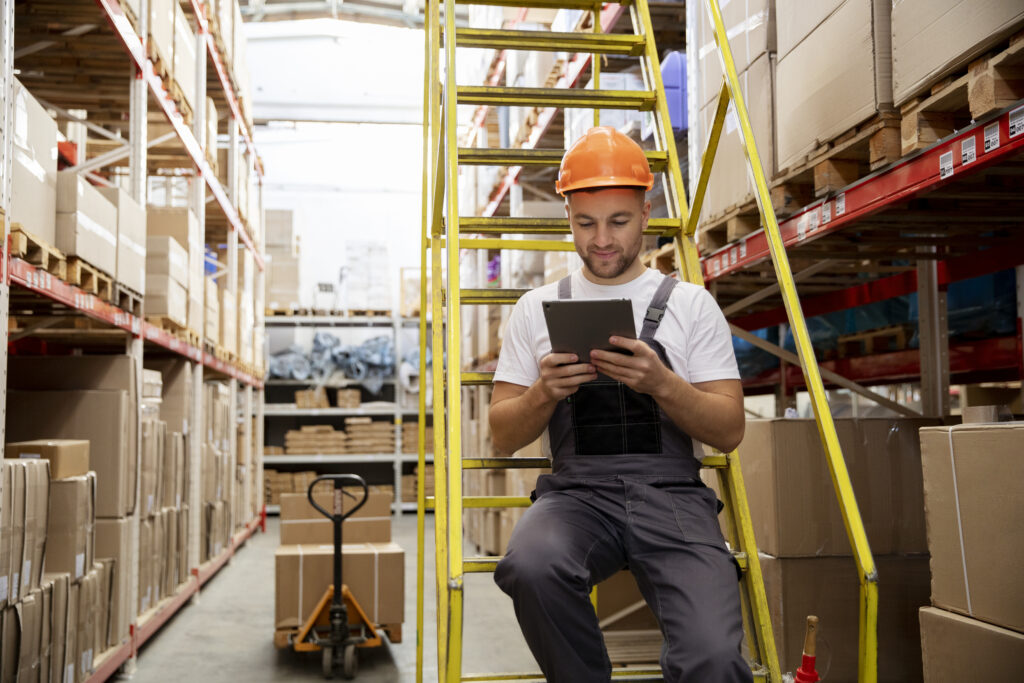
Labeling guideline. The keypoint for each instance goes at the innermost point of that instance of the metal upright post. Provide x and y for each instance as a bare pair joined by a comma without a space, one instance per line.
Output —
246,448
6,156
934,334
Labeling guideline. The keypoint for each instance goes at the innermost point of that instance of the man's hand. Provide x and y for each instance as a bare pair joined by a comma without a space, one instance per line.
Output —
642,372
561,375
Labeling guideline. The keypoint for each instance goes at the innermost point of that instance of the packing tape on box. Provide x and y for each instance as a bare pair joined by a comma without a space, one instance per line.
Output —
96,229
959,524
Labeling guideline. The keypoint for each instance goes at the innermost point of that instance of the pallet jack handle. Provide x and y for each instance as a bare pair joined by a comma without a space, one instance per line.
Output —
339,515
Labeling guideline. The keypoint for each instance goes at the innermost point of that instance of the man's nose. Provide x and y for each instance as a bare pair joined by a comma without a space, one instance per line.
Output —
603,235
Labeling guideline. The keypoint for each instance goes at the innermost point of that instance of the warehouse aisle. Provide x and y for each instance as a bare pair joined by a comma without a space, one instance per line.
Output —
228,635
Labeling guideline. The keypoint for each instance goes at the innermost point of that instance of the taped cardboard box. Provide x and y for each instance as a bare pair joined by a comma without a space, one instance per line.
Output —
10,645
59,627
834,71
101,417
145,566
37,504
104,591
161,30
154,439
182,553
750,25
172,479
183,226
157,558
176,404
184,57
317,531
131,239
789,489
34,171
53,591
15,478
975,514
67,457
6,530
88,621
955,648
72,526
86,222
29,618
828,587
166,256
113,541
374,573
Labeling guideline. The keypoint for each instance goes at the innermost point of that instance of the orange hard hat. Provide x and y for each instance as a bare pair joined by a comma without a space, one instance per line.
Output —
603,157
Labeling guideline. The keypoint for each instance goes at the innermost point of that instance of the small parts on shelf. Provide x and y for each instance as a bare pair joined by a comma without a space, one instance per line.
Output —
312,398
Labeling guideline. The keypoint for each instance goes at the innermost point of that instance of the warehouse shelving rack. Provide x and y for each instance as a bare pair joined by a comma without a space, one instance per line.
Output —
112,35
399,412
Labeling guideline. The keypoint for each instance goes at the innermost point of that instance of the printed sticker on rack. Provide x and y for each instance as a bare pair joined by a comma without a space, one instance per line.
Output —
992,136
840,204
812,221
734,255
716,265
967,153
946,164
801,227
743,249
1016,122
826,213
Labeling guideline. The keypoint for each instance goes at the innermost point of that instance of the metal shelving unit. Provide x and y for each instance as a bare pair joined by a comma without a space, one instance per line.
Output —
102,85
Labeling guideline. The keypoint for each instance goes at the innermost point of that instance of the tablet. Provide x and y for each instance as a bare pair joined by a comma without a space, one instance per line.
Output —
579,325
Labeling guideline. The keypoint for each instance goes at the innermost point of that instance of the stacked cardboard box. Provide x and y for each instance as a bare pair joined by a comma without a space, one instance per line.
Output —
366,289
34,172
130,269
182,225
349,398
86,222
312,398
184,58
212,315
161,32
282,271
315,439
301,524
974,629
246,308
167,281
218,470
805,556
368,436
275,484
410,437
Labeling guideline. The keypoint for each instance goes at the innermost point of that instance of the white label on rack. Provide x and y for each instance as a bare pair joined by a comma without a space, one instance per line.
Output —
946,164
840,204
716,266
812,221
967,153
743,249
1016,122
801,227
991,136
733,257
826,213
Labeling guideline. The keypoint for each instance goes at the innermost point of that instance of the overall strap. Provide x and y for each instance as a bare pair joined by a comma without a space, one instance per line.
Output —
565,287
656,309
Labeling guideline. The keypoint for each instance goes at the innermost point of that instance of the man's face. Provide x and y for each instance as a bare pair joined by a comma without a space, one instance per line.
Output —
607,229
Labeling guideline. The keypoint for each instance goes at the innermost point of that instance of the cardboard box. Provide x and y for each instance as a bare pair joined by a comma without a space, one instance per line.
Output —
154,437
166,298
37,503
29,618
45,628
104,588
161,29
750,25
210,141
101,417
184,57
828,588
67,457
176,405
321,531
792,501
976,519
283,280
166,256
182,225
71,528
6,530
34,171
172,477
280,231
86,222
10,645
956,648
831,75
146,600
228,322
730,183
374,572
183,549
196,313
15,478
88,620
965,30
59,628
113,541
378,503
131,239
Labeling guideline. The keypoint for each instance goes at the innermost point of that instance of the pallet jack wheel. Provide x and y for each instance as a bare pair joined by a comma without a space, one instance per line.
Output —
351,664
327,661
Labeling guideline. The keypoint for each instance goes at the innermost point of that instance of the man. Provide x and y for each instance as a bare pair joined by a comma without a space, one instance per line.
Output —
625,489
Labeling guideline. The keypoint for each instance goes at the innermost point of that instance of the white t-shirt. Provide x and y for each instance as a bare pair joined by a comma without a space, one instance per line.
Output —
693,331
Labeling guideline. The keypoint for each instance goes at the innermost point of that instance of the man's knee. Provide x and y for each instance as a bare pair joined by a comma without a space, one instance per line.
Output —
709,660
533,561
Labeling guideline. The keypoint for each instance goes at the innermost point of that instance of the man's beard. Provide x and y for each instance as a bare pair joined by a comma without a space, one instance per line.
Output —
609,270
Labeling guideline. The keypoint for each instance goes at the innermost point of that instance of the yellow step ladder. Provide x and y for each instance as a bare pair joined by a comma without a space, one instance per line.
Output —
442,240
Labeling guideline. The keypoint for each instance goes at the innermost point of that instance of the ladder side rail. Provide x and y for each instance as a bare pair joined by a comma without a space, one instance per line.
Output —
867,571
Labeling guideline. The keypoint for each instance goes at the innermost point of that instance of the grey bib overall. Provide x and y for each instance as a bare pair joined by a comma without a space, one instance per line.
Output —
625,492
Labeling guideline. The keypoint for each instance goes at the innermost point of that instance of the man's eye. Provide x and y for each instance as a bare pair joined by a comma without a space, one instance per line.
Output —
585,225
620,223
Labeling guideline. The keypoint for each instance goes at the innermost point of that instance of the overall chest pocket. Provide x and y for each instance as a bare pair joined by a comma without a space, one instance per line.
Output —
609,418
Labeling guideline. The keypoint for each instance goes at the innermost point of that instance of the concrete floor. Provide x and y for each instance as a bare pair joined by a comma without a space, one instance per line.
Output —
228,635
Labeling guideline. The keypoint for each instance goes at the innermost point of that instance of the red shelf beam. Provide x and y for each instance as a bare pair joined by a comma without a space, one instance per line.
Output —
991,141
965,358
39,281
610,14
136,50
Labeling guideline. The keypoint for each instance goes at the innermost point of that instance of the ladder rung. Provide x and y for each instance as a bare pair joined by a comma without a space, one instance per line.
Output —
503,463
715,462
633,675
479,565
602,43
741,559
641,100
482,156
471,297
471,379
540,4
505,225
486,502
519,245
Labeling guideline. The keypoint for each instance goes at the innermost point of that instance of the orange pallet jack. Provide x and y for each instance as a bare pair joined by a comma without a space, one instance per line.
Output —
338,625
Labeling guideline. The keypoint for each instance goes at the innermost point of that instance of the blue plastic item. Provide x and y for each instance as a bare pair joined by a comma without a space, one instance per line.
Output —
673,75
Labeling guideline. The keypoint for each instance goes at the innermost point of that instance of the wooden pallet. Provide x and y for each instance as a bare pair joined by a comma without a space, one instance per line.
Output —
182,332
393,632
883,339
127,299
130,14
178,95
275,312
162,66
369,313
90,279
986,85
35,251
